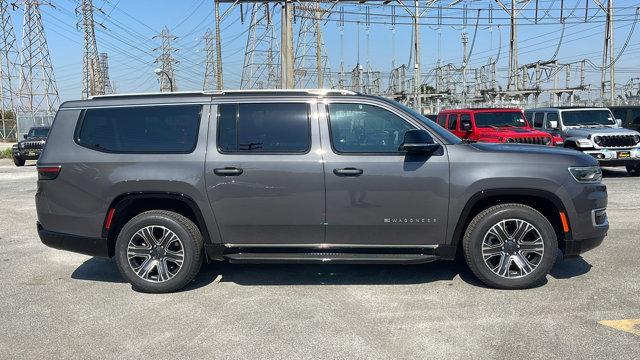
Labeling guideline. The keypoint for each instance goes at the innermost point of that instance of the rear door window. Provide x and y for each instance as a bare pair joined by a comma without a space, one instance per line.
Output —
538,120
442,120
453,121
140,129
264,128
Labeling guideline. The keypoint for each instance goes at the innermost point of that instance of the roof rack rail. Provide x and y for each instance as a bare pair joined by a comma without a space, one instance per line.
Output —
318,92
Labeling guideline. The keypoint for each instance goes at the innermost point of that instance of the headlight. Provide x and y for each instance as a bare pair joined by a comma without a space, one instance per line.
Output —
597,140
583,143
546,141
588,174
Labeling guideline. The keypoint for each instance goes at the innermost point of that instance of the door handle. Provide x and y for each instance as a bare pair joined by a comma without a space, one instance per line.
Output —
228,171
348,172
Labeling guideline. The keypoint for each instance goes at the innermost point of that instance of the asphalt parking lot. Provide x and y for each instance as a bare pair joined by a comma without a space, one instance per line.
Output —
55,304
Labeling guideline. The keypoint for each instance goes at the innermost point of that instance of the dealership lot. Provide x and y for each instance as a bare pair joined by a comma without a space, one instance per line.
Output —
59,304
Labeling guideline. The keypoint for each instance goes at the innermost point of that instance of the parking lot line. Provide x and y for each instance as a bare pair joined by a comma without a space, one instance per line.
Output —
631,326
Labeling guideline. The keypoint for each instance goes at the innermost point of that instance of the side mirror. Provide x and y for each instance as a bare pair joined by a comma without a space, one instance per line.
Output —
553,124
419,142
618,122
24,136
465,126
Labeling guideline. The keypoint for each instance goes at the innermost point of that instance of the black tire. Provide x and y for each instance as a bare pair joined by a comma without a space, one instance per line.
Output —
190,240
479,228
633,170
18,161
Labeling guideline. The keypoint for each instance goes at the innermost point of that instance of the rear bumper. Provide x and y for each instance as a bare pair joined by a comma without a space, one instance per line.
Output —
73,243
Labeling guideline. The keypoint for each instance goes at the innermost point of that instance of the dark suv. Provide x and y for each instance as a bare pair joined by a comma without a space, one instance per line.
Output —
31,146
163,182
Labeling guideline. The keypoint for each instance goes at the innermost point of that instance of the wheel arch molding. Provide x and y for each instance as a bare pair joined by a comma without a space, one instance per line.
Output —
548,203
128,205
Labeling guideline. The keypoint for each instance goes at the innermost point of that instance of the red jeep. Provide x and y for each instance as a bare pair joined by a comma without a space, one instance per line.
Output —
493,125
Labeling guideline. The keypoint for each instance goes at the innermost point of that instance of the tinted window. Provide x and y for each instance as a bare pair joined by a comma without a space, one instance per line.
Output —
529,116
359,128
634,116
620,114
442,119
538,120
552,116
465,122
500,119
453,121
268,128
142,129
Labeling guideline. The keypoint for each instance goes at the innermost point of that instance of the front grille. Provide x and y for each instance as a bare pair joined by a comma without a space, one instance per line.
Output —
33,145
616,140
530,140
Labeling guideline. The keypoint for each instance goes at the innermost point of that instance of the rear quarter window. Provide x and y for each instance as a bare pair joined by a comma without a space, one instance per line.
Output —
140,129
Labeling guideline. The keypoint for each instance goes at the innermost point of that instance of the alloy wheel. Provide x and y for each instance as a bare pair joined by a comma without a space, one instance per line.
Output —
512,248
155,253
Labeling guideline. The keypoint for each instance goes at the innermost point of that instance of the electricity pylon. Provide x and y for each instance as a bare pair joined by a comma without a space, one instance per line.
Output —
92,79
210,66
166,61
38,93
8,72
261,55
310,59
104,71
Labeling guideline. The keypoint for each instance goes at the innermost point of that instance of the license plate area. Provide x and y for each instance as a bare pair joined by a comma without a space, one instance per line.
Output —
624,154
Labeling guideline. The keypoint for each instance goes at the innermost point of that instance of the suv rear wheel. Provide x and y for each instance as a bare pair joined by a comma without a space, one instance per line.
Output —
510,246
159,251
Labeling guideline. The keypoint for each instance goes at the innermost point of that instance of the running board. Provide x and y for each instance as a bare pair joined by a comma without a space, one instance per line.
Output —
337,258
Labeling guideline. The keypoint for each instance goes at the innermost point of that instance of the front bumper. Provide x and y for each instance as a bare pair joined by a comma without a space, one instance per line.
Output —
617,157
575,247
73,243
27,154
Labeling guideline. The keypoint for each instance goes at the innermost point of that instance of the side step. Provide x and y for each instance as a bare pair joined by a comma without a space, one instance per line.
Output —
337,258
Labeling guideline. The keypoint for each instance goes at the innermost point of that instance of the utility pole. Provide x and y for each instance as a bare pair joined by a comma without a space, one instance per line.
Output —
92,79
104,68
38,94
210,69
260,67
416,52
513,45
8,72
166,61
608,55
287,80
219,78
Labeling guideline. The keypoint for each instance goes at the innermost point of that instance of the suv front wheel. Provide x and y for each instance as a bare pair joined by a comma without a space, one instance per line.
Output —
510,246
633,170
159,251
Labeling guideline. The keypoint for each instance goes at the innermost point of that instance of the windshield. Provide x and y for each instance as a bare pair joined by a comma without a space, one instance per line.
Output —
587,117
448,136
500,119
40,132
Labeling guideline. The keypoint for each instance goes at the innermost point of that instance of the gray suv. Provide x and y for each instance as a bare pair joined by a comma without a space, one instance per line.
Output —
163,182
593,131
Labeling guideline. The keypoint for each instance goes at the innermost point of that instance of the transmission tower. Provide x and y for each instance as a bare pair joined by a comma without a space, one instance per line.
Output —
38,92
261,53
311,69
210,70
8,72
104,71
166,61
92,79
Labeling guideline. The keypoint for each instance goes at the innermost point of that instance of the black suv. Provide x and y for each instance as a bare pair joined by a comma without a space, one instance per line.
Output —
162,182
32,145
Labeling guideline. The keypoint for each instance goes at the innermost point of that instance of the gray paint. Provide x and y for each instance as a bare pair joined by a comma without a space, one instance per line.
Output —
297,199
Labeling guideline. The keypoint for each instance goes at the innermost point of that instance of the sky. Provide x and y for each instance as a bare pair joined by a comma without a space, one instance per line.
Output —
125,29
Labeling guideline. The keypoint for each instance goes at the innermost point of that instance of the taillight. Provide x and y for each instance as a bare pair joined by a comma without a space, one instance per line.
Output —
48,172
